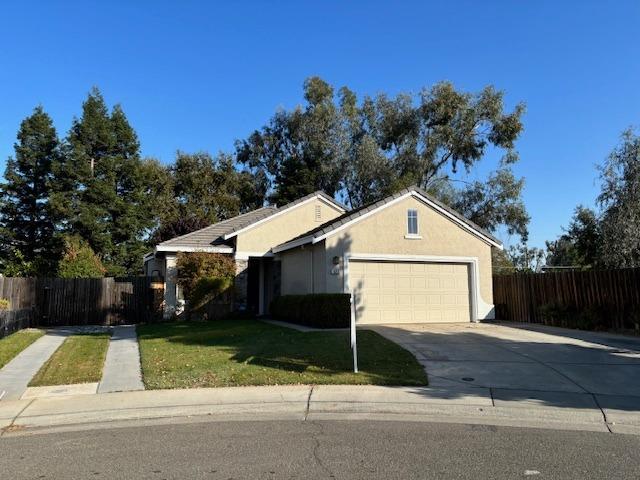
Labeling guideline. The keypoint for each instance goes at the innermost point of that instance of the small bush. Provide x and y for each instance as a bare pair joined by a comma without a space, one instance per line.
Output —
4,304
319,310
556,314
79,260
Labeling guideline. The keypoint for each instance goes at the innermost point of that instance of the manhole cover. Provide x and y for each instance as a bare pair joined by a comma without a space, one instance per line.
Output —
468,379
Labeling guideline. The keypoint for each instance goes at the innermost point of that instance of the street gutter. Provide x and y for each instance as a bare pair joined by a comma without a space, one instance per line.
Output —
303,403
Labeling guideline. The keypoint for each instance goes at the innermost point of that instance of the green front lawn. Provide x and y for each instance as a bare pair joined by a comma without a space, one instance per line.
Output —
250,352
16,342
78,360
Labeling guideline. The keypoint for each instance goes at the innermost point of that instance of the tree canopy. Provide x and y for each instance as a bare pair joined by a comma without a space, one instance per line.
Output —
365,150
579,246
619,200
609,238
94,186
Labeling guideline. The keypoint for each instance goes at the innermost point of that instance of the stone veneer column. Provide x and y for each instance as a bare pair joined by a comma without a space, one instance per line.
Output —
170,284
241,285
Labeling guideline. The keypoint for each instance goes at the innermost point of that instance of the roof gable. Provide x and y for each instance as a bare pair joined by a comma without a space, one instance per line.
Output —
349,218
296,203
216,237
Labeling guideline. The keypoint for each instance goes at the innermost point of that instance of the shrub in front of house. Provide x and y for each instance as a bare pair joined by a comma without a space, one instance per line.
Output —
206,289
319,310
204,277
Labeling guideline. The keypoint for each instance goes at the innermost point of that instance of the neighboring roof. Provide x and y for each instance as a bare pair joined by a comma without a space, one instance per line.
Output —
326,229
216,235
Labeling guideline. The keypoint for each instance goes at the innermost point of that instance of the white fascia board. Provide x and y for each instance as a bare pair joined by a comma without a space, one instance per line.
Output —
293,244
246,255
423,199
148,257
167,248
271,217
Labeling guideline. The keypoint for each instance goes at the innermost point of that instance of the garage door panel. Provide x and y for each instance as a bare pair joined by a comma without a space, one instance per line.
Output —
410,292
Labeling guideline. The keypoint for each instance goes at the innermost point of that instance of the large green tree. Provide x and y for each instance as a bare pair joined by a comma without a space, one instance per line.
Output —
299,149
365,150
620,203
212,188
101,187
26,227
203,190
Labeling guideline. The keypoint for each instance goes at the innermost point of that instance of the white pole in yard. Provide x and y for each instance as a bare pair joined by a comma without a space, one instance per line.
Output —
354,344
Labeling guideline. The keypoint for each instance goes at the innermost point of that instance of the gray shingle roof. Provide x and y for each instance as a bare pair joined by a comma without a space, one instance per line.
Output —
214,234
331,225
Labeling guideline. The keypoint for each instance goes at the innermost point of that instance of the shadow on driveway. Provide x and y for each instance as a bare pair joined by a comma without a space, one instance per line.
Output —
540,366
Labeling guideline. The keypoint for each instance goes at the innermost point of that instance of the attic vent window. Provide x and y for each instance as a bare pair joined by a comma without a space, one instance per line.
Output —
318,213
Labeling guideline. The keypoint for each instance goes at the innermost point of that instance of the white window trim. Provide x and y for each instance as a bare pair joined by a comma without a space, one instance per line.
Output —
479,309
417,232
411,236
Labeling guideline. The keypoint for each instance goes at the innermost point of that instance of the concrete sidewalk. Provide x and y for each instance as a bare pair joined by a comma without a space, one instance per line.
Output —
469,406
16,375
122,371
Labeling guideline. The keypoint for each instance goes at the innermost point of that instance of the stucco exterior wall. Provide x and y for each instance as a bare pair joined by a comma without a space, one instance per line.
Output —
284,227
297,271
384,233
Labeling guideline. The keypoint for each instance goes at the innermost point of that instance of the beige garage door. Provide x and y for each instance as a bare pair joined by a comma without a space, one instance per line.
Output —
408,292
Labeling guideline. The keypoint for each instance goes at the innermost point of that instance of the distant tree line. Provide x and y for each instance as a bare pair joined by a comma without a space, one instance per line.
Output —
90,204
609,237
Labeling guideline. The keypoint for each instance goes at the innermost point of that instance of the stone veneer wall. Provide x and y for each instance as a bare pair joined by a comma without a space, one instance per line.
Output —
241,285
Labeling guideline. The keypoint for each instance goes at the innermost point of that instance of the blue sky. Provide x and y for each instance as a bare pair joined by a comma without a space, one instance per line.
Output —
198,75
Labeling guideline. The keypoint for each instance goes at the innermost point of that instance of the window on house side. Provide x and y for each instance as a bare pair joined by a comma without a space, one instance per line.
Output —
318,213
412,222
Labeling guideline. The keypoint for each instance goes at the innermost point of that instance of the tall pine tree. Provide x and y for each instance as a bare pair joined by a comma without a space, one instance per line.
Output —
100,188
26,226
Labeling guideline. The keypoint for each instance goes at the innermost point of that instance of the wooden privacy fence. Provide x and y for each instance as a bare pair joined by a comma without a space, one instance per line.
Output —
595,299
80,301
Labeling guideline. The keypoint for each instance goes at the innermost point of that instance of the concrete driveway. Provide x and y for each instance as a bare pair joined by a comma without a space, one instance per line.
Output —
542,365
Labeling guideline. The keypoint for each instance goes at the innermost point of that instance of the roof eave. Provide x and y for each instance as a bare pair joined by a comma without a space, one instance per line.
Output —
186,248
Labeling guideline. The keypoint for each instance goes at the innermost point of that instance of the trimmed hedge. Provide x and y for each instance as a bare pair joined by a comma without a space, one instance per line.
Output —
319,310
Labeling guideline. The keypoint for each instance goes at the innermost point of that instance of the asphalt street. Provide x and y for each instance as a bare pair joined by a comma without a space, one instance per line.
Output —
319,449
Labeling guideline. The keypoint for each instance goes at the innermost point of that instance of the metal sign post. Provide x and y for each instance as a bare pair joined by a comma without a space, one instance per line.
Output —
354,343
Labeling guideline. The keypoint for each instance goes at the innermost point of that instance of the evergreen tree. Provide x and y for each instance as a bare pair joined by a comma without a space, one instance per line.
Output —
101,191
26,227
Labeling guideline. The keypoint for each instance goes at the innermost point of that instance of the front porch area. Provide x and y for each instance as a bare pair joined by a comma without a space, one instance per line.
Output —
257,283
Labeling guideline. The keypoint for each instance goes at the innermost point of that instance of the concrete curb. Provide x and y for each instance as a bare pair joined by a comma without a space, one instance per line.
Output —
299,403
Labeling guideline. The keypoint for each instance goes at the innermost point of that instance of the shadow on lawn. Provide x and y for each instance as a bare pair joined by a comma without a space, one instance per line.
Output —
256,343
